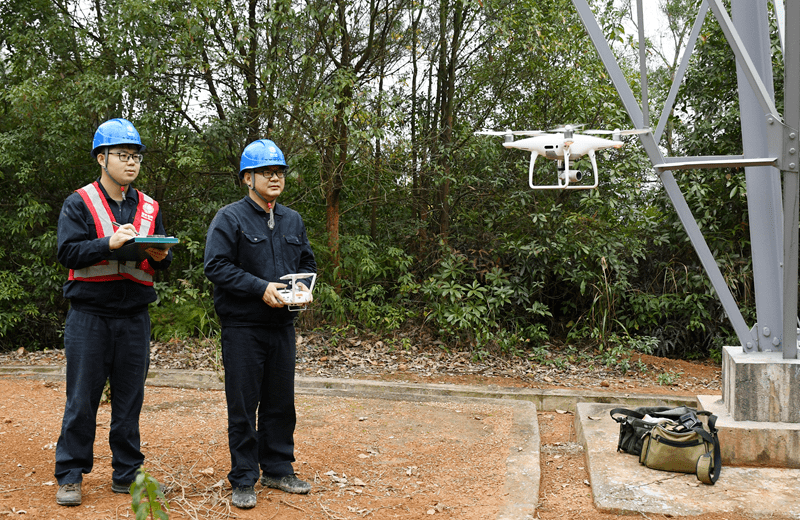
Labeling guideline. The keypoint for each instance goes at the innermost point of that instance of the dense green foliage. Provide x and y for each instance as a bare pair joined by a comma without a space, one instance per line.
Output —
414,220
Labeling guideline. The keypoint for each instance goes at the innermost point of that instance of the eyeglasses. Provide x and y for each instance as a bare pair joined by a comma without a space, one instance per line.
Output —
125,157
269,173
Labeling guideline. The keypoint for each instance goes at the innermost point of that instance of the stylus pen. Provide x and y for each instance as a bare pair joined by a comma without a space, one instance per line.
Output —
120,225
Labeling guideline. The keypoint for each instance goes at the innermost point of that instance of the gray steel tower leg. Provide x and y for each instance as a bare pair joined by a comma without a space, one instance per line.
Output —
764,199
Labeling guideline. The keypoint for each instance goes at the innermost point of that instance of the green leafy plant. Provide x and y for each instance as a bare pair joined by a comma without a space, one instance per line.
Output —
105,397
148,501
668,378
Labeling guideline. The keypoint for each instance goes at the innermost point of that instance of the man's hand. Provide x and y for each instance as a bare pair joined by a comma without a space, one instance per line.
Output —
301,287
156,254
123,233
272,297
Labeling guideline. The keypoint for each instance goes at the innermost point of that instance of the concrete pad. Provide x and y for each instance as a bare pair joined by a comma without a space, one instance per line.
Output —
544,399
621,485
760,386
754,443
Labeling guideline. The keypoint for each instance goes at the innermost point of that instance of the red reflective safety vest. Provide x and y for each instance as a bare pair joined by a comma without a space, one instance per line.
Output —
144,222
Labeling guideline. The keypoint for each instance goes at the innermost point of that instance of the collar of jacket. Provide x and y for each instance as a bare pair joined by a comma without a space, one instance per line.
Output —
277,210
130,194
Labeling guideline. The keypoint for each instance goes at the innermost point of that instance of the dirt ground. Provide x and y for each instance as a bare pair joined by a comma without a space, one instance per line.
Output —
365,458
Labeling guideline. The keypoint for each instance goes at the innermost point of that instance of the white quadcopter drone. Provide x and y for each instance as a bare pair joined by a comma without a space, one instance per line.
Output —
296,298
564,146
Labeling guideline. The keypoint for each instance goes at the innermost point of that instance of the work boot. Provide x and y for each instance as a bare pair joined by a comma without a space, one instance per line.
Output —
69,494
244,497
289,483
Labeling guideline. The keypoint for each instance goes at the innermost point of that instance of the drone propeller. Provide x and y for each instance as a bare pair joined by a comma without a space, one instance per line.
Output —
511,132
617,133
567,128
508,135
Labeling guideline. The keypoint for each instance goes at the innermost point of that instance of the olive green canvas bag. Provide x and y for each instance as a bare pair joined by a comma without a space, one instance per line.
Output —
685,446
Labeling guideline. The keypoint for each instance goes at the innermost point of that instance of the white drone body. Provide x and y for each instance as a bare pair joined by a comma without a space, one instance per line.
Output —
297,299
564,146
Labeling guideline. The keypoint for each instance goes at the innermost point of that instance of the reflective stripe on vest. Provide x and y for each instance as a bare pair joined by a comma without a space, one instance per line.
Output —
144,222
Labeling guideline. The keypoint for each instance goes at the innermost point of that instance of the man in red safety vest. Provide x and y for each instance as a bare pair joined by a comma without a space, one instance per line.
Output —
107,332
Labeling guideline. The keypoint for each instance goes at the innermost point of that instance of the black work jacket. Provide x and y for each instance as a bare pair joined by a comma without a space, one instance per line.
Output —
78,247
243,256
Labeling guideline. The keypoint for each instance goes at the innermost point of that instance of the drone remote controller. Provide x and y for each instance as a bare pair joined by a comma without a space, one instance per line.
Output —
297,299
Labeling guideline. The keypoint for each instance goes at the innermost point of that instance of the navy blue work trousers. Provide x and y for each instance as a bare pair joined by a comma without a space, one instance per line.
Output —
99,348
259,390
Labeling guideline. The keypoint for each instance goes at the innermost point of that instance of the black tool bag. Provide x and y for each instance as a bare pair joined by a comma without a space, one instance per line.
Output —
633,427
670,436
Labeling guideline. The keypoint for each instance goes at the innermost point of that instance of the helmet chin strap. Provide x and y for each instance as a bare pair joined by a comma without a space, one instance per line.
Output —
122,187
271,222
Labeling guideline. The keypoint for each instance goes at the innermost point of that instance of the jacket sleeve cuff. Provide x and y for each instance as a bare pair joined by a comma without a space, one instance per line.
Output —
261,287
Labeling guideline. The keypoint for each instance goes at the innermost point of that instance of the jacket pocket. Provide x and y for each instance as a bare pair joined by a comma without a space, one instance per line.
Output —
253,238
293,247
253,252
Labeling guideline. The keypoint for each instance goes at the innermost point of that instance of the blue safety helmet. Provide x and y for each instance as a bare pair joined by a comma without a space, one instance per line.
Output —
113,132
259,154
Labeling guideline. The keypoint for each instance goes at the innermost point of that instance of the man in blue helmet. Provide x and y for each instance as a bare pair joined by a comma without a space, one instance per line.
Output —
250,244
107,332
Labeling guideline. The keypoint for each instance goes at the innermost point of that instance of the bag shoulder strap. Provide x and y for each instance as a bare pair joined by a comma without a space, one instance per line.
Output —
704,470
624,412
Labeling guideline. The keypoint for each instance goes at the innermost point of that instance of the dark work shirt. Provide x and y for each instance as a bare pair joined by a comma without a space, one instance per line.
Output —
243,256
79,247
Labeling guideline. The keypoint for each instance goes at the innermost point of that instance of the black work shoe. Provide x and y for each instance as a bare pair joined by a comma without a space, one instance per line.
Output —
289,483
244,497
119,487
69,494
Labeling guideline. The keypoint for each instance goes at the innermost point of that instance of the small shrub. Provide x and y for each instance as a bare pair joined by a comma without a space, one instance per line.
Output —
668,378
147,499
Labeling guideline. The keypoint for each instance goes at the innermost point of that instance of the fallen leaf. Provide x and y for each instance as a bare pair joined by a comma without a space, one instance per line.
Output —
358,482
561,411
209,472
